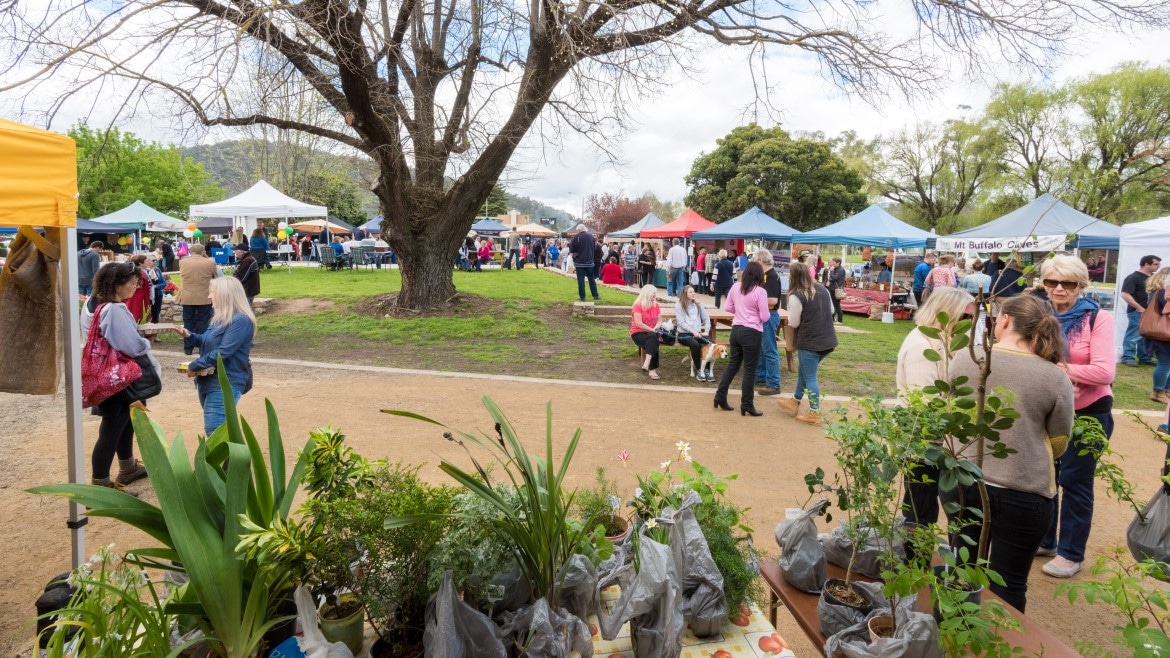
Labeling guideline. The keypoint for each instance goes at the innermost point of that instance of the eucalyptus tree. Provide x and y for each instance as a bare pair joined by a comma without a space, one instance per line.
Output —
439,94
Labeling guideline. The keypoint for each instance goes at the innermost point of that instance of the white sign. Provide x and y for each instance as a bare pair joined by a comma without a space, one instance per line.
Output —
1025,243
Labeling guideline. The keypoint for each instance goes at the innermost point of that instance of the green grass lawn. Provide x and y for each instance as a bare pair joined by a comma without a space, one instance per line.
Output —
529,332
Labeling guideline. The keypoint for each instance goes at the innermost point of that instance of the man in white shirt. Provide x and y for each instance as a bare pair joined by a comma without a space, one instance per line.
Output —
348,245
676,263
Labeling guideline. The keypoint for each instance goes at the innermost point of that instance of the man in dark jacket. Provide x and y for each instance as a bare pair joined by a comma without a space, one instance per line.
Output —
582,247
1006,282
88,262
248,272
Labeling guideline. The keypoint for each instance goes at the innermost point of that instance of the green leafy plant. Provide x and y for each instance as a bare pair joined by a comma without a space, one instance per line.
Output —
728,537
116,610
198,521
539,525
1125,585
599,504
303,549
393,573
471,550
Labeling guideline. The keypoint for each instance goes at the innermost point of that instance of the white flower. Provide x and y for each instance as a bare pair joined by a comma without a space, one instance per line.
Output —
652,524
664,465
637,492
687,458
682,446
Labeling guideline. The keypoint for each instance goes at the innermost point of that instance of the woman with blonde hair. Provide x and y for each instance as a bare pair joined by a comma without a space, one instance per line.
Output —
229,337
645,319
914,371
1090,363
1156,286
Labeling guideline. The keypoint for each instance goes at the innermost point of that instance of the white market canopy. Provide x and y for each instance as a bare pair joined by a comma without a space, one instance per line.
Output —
142,216
1150,238
260,200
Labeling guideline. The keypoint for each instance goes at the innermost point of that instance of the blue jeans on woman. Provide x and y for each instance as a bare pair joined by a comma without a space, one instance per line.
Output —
806,377
768,372
214,415
1074,498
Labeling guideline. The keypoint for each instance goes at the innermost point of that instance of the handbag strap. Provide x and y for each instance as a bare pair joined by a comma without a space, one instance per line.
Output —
94,328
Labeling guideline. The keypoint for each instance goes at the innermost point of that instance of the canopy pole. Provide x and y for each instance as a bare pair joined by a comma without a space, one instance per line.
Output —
71,346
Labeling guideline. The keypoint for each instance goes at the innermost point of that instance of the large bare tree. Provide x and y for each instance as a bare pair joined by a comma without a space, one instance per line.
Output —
439,93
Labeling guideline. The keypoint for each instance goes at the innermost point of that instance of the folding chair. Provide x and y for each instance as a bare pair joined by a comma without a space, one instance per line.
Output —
327,257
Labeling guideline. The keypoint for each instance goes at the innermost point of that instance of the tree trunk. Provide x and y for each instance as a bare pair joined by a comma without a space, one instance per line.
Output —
427,270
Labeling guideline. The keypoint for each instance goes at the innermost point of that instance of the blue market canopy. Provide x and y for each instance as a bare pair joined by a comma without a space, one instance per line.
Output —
373,226
142,216
649,221
1047,215
754,224
872,227
488,226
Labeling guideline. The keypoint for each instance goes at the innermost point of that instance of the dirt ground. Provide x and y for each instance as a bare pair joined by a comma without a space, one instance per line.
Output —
771,455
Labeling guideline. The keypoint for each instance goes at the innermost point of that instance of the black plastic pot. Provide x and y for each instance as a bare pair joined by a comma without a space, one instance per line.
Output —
972,596
863,609
285,629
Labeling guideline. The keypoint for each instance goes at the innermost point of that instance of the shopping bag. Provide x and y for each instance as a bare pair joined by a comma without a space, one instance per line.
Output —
104,370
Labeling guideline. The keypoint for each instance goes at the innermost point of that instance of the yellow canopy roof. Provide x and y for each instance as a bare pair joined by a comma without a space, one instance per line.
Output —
38,177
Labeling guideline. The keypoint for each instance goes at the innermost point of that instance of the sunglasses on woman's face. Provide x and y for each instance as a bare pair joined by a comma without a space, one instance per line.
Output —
1067,285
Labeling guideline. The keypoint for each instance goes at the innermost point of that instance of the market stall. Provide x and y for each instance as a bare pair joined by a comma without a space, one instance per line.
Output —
38,188
873,227
1137,240
633,230
1044,224
246,208
687,224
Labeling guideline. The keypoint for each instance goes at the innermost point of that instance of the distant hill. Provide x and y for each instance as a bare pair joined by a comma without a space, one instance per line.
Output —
341,183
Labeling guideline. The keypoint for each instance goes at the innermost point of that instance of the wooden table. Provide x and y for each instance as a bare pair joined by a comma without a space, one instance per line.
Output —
1033,638
722,318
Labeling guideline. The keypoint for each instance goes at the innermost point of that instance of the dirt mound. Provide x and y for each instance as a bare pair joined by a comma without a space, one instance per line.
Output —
460,305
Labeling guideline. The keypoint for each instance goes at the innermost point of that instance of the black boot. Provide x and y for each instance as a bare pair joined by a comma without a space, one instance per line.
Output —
722,404
749,410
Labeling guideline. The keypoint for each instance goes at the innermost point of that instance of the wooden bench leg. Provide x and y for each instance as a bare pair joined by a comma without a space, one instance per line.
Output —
788,357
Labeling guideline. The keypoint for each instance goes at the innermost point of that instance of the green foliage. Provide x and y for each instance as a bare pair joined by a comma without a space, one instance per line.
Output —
801,180
116,168
199,520
728,537
305,550
934,171
116,610
394,578
470,550
539,527
599,504
1128,587
496,203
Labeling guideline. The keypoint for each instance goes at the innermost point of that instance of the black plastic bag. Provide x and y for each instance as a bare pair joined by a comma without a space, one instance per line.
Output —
1148,535
915,636
515,588
835,618
540,632
578,580
704,604
802,557
455,629
839,549
650,601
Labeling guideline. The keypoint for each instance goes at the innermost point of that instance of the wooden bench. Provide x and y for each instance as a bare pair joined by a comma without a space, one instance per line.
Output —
720,317
1033,638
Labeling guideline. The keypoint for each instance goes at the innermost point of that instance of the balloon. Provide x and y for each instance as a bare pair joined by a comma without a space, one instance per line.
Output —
282,225
192,226
282,234
196,233
188,233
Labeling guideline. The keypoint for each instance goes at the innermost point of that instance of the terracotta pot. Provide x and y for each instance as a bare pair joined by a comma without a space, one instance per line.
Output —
349,629
625,524
880,627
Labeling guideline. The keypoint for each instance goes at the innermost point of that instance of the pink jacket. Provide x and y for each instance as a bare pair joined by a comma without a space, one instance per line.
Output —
1091,361
751,310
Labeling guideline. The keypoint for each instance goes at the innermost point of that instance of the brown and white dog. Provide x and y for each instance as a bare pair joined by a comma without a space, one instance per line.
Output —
711,351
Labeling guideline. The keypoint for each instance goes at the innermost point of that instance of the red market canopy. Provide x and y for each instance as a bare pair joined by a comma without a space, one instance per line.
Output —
687,223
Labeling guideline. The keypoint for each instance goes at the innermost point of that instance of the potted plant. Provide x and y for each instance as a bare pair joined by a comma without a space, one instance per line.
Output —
534,512
600,504
306,551
199,522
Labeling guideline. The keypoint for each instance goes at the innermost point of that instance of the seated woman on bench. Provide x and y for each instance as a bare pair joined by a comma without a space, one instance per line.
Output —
645,319
694,328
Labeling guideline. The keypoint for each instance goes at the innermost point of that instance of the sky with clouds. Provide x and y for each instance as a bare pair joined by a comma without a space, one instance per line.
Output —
684,116
677,126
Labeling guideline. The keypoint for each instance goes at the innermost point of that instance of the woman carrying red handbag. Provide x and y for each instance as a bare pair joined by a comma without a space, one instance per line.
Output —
112,286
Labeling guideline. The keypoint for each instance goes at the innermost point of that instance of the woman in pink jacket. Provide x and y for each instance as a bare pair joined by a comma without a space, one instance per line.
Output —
1091,364
749,303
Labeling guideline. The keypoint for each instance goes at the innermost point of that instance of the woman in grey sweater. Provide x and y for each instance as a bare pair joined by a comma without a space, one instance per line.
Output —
112,286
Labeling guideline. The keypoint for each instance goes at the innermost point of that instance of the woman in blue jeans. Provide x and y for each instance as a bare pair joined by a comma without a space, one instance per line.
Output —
233,327
1156,286
810,314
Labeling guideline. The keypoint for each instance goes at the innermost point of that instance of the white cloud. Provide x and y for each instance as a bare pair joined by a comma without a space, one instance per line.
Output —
675,127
